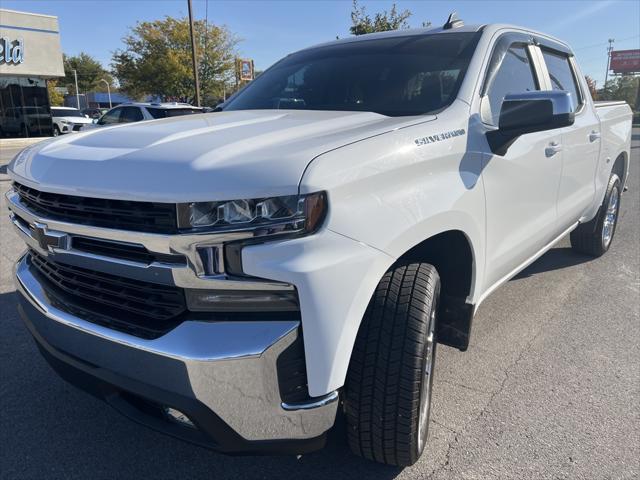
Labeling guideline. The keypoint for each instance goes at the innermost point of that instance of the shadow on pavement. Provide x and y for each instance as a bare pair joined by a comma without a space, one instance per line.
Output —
554,259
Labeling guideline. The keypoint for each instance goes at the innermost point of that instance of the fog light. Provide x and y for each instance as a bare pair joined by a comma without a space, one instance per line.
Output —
178,417
242,301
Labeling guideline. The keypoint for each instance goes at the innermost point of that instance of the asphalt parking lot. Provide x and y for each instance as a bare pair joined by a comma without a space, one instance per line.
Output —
549,389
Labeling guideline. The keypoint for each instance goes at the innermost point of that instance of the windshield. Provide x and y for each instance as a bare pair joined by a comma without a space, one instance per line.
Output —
408,75
63,112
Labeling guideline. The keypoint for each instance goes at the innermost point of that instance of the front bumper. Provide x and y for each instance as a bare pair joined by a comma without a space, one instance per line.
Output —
221,375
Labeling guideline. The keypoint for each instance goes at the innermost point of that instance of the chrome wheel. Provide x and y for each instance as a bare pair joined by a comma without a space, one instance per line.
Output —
611,215
427,381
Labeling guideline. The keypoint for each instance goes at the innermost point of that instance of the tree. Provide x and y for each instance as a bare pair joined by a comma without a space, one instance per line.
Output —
55,97
382,21
89,71
591,84
624,87
156,59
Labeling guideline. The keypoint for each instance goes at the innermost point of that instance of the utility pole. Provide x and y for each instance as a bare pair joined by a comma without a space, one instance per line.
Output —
609,50
75,75
193,55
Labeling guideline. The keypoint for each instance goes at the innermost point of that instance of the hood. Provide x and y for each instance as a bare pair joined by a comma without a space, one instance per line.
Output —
74,119
203,157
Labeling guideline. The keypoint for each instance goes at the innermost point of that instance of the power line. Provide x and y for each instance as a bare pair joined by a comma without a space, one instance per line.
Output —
605,43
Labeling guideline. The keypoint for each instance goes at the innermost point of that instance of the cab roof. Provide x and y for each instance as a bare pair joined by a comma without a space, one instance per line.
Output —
410,32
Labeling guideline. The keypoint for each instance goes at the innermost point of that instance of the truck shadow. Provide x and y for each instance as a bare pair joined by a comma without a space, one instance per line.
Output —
555,259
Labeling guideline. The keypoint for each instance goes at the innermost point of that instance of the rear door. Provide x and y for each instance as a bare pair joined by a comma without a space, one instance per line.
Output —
580,142
521,187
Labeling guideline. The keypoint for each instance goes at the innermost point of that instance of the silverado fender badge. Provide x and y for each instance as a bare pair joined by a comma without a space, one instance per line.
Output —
438,137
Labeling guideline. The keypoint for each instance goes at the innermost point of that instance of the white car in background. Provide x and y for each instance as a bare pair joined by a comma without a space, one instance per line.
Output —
137,112
67,119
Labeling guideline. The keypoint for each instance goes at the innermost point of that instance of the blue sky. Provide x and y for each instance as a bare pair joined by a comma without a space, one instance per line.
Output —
271,29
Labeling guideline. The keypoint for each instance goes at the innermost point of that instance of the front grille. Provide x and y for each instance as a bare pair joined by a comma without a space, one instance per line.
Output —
124,251
101,212
117,302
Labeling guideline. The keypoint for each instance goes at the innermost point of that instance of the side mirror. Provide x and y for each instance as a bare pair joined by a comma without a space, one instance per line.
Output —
527,113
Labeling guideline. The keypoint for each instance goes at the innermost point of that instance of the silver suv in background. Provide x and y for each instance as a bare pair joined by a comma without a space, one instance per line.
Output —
137,112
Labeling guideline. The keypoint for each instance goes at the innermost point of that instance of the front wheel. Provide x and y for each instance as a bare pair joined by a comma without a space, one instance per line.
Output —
56,131
390,377
595,237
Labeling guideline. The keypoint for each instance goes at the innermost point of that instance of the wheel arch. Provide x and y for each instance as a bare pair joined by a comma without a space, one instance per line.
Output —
621,166
452,253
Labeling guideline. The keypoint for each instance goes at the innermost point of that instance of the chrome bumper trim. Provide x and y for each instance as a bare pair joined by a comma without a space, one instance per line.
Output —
327,399
190,275
230,367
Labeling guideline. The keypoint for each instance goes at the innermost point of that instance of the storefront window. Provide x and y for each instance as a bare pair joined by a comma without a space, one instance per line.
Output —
24,107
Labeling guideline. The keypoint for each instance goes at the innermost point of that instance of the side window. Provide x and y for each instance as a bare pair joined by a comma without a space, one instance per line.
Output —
157,112
561,75
111,117
131,114
515,75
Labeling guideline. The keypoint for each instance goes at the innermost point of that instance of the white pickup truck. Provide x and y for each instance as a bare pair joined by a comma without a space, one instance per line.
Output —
238,279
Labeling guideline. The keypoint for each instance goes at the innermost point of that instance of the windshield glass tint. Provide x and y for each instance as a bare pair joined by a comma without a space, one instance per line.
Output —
63,112
396,76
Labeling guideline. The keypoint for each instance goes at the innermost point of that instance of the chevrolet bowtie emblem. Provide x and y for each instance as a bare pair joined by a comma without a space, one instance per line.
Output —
49,238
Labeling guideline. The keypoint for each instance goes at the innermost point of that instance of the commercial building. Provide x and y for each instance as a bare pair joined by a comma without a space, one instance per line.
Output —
95,100
30,54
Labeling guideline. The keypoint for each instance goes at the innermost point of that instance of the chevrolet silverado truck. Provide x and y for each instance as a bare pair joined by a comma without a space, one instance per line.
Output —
240,278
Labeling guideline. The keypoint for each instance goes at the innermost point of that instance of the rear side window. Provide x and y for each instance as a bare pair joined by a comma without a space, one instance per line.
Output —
515,75
157,112
561,75
131,114
170,112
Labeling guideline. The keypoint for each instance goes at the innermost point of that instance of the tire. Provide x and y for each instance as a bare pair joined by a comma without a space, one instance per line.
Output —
56,131
388,387
594,238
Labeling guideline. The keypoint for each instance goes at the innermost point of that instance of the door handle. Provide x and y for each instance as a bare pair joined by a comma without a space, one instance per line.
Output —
593,136
552,149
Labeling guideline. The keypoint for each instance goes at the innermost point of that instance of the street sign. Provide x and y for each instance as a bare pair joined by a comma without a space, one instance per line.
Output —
625,61
245,69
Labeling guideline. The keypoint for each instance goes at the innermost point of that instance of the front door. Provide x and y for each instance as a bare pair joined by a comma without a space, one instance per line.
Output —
521,187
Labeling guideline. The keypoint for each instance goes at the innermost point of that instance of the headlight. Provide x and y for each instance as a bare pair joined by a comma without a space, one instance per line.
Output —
267,216
65,122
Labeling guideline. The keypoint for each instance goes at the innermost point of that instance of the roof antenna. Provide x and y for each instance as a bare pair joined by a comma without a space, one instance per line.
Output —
453,22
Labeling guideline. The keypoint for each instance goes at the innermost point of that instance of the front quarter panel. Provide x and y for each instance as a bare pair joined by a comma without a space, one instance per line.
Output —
395,190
